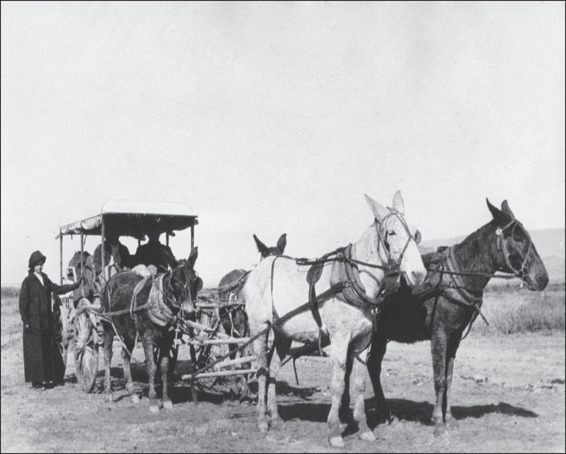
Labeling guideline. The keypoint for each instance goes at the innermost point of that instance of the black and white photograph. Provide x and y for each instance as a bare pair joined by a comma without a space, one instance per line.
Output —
306,226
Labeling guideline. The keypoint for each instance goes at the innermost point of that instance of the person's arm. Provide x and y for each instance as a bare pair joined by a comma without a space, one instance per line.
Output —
59,289
24,304
97,260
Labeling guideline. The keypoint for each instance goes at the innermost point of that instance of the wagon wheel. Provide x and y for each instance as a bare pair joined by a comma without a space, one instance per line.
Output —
86,351
63,311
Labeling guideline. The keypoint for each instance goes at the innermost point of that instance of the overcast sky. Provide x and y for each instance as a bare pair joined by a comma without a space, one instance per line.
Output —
273,118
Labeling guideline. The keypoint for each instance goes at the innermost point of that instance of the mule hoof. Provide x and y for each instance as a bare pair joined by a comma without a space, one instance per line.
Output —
439,430
135,399
277,424
154,409
367,436
167,405
336,441
263,426
452,424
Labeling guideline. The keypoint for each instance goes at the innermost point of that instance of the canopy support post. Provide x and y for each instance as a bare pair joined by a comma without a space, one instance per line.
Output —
61,257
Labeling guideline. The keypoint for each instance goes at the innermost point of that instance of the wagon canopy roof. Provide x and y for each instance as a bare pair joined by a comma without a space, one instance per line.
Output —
135,218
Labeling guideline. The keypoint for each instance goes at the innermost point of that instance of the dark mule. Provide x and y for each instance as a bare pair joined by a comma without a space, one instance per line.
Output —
233,318
148,308
448,303
82,268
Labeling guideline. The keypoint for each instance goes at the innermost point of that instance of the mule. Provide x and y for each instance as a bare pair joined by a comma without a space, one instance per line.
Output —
134,306
83,268
233,318
449,302
349,283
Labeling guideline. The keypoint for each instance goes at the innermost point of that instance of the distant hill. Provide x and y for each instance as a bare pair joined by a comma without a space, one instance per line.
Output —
549,244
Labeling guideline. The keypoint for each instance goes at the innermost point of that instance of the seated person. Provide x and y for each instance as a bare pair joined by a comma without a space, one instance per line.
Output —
155,253
115,253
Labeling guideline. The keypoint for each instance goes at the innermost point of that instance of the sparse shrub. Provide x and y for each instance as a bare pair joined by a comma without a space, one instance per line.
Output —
10,292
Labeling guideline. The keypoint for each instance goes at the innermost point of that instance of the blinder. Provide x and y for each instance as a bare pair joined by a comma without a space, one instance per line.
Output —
502,245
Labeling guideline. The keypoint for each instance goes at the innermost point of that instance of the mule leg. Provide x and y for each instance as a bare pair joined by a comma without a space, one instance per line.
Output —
358,381
167,404
378,349
127,369
339,357
260,350
449,419
151,368
281,350
108,340
438,349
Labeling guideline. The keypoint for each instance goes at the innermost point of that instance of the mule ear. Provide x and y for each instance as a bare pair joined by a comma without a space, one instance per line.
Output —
262,248
193,257
495,212
505,209
281,243
379,211
398,203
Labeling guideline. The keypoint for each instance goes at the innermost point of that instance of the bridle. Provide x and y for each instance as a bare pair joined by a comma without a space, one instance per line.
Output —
186,292
393,266
503,245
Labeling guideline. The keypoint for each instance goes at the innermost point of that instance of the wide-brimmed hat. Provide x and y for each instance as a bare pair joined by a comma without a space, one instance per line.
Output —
37,258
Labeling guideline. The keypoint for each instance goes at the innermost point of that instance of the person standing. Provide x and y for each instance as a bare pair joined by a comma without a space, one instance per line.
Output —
43,364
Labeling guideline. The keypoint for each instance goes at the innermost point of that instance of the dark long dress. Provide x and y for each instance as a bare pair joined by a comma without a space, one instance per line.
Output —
42,359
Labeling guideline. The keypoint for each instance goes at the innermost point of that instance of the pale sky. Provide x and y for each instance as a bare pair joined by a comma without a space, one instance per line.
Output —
273,118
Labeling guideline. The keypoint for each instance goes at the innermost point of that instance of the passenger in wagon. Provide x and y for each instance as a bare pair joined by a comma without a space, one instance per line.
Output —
115,253
155,253
43,363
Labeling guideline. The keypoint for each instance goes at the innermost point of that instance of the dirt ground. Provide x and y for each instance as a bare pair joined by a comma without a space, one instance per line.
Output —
508,396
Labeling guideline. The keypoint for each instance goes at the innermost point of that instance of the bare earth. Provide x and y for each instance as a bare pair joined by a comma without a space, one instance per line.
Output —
508,396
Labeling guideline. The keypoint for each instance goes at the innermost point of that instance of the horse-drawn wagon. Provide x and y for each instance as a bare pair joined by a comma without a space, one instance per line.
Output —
91,316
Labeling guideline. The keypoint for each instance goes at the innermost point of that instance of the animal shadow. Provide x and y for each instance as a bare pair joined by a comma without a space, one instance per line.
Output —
421,412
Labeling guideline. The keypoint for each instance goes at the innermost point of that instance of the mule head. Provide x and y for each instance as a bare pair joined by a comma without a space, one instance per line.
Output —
397,240
268,251
185,284
515,250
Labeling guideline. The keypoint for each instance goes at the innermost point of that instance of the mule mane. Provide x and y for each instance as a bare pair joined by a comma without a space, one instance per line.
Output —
477,253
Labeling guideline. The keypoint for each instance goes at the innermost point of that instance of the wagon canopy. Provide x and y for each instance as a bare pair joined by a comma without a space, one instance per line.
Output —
135,219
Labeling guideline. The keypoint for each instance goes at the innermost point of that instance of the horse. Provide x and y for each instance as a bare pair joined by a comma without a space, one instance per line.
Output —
450,300
233,318
343,294
133,306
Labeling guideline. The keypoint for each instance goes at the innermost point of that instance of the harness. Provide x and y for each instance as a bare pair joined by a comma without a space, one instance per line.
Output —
456,291
345,283
157,308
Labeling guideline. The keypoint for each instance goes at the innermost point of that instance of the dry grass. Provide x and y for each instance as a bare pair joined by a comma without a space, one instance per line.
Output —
510,310
507,308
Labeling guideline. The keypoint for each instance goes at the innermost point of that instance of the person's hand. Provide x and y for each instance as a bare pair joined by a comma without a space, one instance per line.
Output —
27,328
